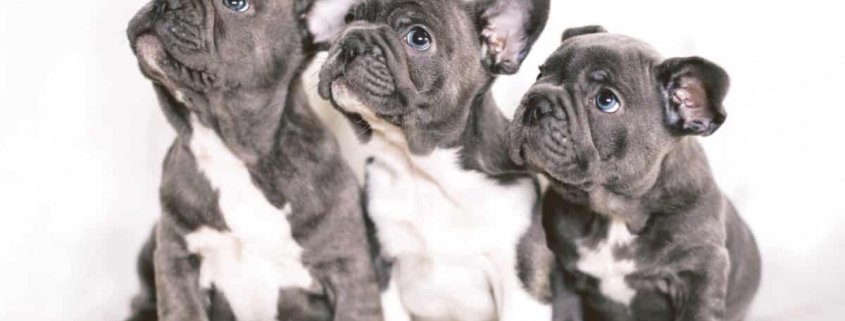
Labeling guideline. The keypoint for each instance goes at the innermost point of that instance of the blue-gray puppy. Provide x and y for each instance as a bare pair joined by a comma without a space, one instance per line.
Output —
261,217
457,221
633,214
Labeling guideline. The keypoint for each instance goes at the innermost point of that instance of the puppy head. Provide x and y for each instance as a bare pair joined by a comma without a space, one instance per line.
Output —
606,108
417,65
217,55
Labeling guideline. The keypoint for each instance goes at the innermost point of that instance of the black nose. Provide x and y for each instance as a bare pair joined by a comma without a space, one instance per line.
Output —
354,46
539,107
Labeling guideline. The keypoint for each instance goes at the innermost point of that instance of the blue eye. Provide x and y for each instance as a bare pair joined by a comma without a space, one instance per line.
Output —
606,101
236,5
418,39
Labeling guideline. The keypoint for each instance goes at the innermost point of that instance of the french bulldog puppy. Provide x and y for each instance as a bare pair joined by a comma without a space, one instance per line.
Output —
261,216
457,221
634,217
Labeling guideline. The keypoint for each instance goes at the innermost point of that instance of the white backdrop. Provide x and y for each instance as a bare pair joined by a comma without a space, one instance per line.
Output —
82,139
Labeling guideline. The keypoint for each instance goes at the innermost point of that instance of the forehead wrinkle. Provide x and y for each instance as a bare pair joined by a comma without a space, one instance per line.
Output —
636,72
627,61
574,65
367,10
416,11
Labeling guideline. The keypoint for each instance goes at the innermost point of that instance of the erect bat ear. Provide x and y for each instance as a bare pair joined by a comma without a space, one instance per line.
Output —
508,30
325,19
693,91
585,30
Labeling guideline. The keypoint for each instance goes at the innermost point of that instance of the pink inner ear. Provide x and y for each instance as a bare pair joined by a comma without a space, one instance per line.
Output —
697,115
504,34
495,41
690,94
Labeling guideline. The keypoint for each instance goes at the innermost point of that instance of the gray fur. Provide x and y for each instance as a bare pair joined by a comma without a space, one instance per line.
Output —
239,73
441,98
695,257
430,96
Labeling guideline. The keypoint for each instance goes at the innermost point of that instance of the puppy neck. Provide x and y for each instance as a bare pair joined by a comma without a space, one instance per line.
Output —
680,181
253,129
482,141
685,179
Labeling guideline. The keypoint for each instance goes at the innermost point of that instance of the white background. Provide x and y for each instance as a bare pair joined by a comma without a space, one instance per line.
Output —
82,139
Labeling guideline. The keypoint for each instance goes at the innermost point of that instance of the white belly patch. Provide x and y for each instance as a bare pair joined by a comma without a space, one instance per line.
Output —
258,256
601,264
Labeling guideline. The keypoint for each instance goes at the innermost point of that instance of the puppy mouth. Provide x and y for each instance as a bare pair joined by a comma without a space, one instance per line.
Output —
362,86
563,172
366,76
161,28
544,143
159,65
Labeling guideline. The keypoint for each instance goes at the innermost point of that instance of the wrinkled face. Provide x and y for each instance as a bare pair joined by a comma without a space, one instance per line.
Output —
595,114
231,63
419,64
407,65
231,47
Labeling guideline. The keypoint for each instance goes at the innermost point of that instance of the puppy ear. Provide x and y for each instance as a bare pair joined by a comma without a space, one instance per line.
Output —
693,90
585,30
509,29
324,19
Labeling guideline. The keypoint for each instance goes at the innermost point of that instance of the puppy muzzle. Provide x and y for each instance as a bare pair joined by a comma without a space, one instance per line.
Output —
167,39
548,134
371,62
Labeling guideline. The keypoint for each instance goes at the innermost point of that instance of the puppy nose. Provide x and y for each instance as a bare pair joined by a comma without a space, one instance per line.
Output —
354,46
540,107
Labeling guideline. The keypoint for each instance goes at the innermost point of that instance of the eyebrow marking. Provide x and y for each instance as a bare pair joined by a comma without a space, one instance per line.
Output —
599,76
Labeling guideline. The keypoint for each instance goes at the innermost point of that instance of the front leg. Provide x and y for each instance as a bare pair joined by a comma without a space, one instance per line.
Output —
390,203
707,284
695,282
177,277
389,197
513,301
144,303
353,288
518,305
391,303
566,303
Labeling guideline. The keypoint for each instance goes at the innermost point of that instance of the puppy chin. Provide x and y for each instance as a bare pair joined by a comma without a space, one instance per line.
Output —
567,174
582,182
348,101
150,52
363,118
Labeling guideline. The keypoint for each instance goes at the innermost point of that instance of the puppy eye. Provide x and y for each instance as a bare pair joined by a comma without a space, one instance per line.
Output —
606,101
236,5
418,39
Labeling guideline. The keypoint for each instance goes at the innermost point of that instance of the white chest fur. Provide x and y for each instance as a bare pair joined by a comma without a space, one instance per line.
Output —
602,264
453,233
258,256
